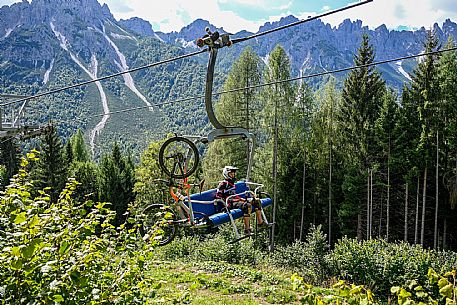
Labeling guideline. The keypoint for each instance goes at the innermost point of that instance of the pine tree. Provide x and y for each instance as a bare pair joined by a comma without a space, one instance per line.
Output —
361,103
9,158
51,168
69,152
280,155
448,84
424,94
80,153
384,140
116,182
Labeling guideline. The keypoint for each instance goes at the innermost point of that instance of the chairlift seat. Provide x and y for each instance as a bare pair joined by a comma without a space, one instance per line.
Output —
206,203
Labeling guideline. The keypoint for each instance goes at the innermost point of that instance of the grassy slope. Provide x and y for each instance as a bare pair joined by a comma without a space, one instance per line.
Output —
220,283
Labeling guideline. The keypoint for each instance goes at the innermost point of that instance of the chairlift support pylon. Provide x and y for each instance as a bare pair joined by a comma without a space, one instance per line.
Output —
214,41
13,127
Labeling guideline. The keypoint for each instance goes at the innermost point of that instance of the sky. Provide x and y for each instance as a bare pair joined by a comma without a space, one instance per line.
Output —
236,15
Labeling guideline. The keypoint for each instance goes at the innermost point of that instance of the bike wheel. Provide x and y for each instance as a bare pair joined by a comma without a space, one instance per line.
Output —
178,157
158,224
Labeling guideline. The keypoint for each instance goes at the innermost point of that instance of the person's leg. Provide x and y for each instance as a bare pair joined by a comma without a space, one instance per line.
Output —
247,226
258,213
246,207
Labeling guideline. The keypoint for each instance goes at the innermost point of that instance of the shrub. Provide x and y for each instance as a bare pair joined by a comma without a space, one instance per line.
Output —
413,293
381,265
306,258
213,247
62,253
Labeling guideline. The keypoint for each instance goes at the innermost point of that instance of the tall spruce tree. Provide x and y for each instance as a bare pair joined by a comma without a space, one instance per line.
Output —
116,181
81,168
80,153
424,94
361,102
279,157
448,84
384,140
9,158
324,142
51,168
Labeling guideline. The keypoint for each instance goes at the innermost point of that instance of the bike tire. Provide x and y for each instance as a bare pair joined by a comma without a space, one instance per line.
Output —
158,224
191,155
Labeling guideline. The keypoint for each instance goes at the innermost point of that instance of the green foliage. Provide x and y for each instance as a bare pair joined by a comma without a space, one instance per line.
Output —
61,253
116,181
146,189
79,148
381,265
3,175
86,173
413,293
9,160
215,248
51,169
306,258
340,293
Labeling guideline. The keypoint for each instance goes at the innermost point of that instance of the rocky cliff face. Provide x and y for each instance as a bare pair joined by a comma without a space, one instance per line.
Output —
316,46
138,26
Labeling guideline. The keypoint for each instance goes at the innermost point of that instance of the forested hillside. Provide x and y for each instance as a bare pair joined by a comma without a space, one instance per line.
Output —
363,177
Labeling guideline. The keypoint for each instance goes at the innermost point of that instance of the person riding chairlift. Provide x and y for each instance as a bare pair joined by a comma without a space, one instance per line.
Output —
227,188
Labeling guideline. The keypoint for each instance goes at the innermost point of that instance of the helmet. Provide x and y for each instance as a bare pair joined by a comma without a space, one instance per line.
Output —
228,169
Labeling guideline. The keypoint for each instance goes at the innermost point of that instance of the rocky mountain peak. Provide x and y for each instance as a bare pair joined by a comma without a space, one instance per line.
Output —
138,25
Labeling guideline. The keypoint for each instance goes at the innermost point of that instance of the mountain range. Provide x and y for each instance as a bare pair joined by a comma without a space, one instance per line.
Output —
49,44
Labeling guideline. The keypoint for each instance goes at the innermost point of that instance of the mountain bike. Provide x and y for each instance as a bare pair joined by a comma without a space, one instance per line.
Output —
200,211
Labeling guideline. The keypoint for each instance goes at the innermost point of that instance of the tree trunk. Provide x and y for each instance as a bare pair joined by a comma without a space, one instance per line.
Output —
388,194
444,234
330,198
416,225
435,235
275,175
330,143
424,198
303,197
371,203
405,238
368,204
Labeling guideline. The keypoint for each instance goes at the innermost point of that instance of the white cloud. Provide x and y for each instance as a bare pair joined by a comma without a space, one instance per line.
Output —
172,15
394,13
167,14
166,17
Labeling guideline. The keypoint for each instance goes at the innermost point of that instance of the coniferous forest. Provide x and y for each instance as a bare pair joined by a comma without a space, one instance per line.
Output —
364,180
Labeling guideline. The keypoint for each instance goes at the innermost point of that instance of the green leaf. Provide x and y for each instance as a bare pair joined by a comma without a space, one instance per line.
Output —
421,294
64,247
404,293
20,218
17,264
58,298
34,221
394,289
442,282
28,251
447,290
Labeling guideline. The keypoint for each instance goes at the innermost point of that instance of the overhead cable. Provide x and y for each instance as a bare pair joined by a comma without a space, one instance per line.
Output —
106,77
277,82
185,55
